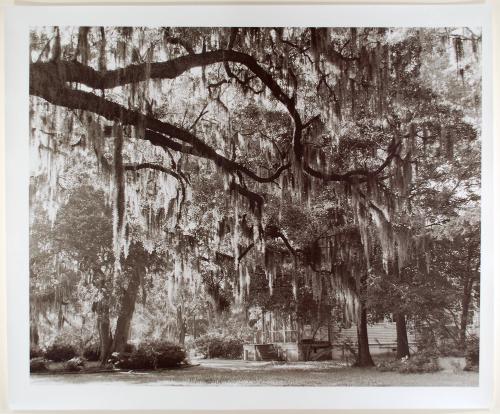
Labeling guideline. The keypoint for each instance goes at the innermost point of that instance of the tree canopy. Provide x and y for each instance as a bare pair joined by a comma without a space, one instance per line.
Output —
324,157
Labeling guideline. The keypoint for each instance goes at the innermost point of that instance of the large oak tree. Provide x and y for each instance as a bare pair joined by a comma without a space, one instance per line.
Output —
333,119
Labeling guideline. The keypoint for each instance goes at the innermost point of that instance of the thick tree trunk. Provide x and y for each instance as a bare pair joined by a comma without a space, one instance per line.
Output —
402,348
127,307
364,358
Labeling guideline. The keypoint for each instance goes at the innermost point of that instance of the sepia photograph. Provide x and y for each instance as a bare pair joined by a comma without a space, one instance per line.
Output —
255,205
273,207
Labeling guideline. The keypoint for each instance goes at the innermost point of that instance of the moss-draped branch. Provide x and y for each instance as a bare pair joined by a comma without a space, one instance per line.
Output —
49,80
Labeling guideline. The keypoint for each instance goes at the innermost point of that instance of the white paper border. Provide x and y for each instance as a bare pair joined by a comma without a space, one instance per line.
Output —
25,395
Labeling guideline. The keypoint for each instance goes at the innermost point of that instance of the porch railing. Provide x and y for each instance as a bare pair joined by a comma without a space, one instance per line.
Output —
271,336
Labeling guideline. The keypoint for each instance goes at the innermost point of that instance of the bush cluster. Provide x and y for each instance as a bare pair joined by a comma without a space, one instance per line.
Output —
60,352
91,352
214,345
150,355
36,352
418,363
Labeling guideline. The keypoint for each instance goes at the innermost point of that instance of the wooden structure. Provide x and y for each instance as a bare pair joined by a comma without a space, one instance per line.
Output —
283,338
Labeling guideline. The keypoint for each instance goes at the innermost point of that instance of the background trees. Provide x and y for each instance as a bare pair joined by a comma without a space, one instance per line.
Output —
326,156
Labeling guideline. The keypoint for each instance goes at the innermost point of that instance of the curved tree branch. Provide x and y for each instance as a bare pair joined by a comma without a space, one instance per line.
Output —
156,131
76,72
152,166
47,81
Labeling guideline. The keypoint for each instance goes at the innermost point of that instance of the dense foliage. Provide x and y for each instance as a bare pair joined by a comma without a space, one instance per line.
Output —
213,345
60,352
151,355
321,172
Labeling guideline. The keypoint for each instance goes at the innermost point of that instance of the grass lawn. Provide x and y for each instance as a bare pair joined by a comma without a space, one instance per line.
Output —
220,372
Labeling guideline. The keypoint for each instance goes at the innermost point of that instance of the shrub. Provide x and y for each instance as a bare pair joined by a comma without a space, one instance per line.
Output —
35,352
389,366
472,354
92,352
151,355
60,352
74,364
418,363
38,364
214,345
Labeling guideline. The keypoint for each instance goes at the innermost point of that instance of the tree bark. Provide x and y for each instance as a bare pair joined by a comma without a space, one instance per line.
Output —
210,315
195,333
127,307
103,322
34,333
364,357
181,326
464,317
466,298
402,347
104,328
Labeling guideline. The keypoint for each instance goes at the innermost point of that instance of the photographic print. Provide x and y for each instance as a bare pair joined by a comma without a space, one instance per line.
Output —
255,205
249,207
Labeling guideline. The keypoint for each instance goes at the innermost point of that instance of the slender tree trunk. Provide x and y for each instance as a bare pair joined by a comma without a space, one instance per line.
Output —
464,317
209,315
263,338
402,348
104,328
103,322
34,333
127,307
34,337
466,298
181,326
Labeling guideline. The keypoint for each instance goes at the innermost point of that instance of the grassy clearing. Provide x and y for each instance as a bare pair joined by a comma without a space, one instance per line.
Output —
254,374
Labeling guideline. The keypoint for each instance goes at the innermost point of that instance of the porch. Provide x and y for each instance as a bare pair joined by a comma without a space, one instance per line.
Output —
281,338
